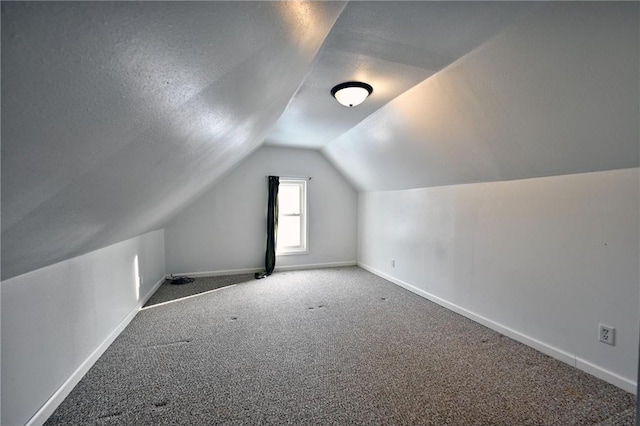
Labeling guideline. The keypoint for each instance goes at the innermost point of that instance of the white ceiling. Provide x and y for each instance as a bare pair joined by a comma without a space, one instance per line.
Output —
115,116
392,46
556,93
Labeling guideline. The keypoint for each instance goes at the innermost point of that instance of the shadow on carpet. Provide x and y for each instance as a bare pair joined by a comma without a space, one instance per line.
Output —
169,292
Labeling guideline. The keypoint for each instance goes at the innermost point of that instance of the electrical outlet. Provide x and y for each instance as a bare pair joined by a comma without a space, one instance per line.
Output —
607,334
393,263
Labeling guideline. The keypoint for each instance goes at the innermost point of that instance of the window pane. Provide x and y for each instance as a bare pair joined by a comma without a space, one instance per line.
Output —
289,231
289,199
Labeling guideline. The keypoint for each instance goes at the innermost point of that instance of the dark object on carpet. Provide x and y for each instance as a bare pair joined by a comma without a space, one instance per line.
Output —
180,280
331,346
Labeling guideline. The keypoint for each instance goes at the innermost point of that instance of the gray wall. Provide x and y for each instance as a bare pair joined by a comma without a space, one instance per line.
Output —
542,260
226,228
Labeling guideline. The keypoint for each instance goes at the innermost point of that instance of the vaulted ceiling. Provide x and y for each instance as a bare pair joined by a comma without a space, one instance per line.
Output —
115,116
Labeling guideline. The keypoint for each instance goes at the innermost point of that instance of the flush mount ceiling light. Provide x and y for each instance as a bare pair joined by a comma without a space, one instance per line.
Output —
351,93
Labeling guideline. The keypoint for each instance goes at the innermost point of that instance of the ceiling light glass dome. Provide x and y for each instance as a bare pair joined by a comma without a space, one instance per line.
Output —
351,93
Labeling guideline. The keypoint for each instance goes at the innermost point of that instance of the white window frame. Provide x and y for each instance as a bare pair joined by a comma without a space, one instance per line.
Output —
303,248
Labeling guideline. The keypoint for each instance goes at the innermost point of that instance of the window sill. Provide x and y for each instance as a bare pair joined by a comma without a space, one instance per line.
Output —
293,252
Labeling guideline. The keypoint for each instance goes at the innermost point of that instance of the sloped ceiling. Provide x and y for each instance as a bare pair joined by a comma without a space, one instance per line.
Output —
555,93
115,116
392,46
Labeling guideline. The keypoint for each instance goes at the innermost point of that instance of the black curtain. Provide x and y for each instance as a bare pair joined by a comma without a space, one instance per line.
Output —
272,227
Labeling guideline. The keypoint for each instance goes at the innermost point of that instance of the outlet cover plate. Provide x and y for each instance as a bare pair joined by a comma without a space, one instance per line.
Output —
607,334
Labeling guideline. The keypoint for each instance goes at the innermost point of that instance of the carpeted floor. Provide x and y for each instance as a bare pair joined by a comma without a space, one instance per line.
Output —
331,346
168,292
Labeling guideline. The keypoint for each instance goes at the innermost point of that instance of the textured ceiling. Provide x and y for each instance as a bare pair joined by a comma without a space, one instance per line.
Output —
555,93
115,116
391,45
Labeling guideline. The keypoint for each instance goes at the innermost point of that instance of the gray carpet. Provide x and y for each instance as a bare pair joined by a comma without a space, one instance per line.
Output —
332,346
168,292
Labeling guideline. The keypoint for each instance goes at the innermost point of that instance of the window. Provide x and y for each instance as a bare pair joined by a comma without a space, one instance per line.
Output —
292,217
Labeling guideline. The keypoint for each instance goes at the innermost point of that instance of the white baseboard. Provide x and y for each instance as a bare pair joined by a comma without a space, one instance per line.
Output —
316,266
261,268
41,416
545,348
606,375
